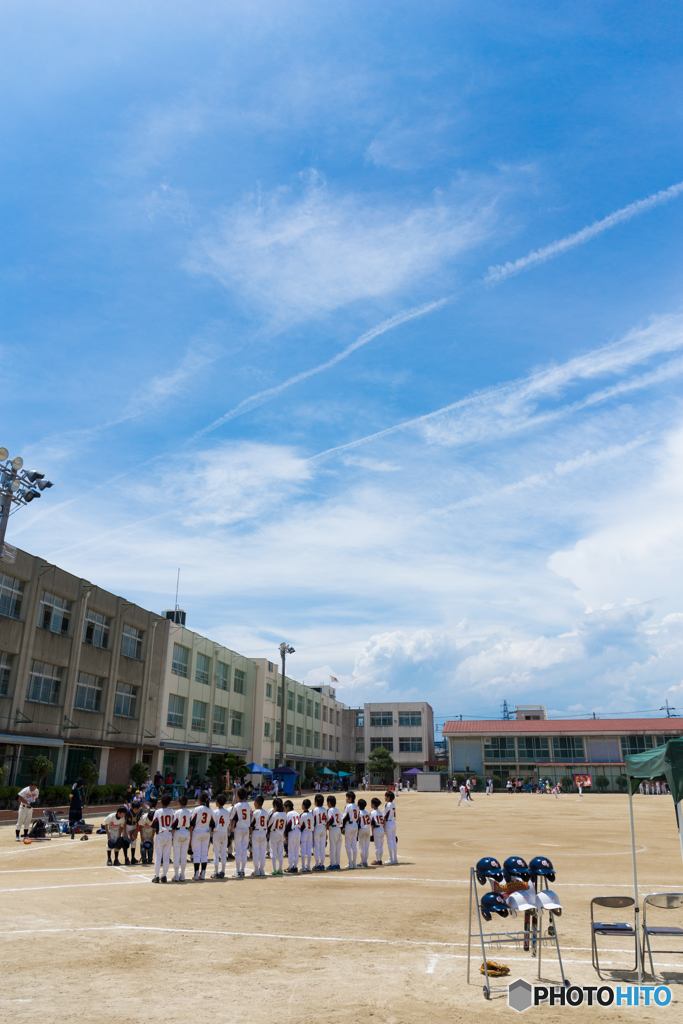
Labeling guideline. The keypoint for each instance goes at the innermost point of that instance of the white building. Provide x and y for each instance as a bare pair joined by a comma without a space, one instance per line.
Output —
404,728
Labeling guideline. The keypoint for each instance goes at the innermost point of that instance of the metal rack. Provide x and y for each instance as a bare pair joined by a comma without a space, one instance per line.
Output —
529,939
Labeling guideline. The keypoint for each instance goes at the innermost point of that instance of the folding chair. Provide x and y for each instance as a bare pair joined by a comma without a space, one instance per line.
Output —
601,928
663,901
54,825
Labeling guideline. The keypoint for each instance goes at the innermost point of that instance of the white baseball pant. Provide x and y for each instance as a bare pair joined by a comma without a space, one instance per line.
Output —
258,851
181,841
378,835
390,832
241,837
162,853
306,849
200,847
24,818
351,844
364,844
335,845
220,851
319,838
293,844
277,850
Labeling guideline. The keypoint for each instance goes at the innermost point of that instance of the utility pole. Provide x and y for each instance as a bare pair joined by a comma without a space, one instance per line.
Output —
668,710
506,712
284,651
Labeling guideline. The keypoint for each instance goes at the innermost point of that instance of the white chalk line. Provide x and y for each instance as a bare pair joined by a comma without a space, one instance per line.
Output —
134,880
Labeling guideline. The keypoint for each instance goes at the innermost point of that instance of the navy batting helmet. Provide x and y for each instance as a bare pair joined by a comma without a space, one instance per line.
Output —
516,867
493,903
488,867
541,866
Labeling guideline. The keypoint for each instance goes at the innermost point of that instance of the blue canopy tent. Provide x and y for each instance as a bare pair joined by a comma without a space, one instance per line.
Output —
286,777
413,771
257,769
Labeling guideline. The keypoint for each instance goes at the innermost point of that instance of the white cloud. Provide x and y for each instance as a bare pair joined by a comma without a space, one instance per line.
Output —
296,254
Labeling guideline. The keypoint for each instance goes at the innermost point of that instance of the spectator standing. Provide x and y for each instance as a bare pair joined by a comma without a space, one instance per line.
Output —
76,805
26,797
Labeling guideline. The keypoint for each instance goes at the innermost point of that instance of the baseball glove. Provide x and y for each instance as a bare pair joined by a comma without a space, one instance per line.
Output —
495,970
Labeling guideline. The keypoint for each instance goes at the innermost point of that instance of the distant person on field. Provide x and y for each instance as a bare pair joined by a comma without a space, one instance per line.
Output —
26,797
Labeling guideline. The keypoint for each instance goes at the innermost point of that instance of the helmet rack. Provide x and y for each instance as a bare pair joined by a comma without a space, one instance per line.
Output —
530,939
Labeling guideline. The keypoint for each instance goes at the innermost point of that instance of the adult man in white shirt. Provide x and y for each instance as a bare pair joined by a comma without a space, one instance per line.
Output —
26,797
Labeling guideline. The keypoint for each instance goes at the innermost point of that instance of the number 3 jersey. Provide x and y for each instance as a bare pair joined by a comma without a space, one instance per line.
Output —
202,818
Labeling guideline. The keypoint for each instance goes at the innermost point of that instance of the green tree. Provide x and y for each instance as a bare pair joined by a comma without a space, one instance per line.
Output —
602,782
139,773
218,767
459,780
90,774
621,783
497,781
4,772
40,767
310,771
567,783
381,763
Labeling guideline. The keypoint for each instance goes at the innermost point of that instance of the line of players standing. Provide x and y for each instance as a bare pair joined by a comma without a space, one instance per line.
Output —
300,835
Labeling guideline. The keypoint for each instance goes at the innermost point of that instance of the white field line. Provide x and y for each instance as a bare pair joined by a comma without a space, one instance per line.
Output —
134,880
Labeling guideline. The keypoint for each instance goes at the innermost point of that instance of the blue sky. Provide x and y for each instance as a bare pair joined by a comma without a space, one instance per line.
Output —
476,494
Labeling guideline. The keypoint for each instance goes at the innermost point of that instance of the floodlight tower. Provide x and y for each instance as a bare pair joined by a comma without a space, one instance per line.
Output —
285,649
18,486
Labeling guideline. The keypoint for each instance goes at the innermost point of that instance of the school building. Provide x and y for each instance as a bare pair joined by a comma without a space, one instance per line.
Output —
404,728
532,746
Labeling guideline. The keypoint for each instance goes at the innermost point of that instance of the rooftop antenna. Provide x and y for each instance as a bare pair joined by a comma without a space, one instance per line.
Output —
177,584
668,710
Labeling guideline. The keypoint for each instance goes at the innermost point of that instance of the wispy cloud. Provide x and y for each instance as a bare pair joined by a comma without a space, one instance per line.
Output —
500,272
161,388
264,396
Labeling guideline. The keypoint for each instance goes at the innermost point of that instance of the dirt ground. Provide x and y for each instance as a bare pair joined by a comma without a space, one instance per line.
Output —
387,944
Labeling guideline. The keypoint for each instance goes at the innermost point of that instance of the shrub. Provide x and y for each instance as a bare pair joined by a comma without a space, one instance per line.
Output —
459,780
567,783
53,796
602,783
621,783
497,781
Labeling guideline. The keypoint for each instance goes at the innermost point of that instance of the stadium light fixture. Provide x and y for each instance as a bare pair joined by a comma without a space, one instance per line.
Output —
285,649
17,487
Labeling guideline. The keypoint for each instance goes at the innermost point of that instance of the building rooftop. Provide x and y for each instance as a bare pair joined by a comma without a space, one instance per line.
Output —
565,725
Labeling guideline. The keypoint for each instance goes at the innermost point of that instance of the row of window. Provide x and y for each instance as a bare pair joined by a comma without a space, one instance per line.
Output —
54,614
295,737
385,719
406,744
180,666
564,748
175,718
45,684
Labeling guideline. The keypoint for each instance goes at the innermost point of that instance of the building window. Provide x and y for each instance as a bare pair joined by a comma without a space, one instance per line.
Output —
277,733
266,731
181,661
290,735
568,748
269,691
222,676
96,630
410,744
299,704
239,681
88,692
337,744
131,642
410,718
360,719
360,745
309,708
199,708
381,719
44,683
635,744
324,713
533,748
317,711
499,748
125,700
308,737
270,669
176,711
316,741
218,721
299,736
202,672
5,672
236,719
54,613
290,700
11,593
324,741
382,741
279,696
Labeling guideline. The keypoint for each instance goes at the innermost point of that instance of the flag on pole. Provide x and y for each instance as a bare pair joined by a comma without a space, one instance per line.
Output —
333,679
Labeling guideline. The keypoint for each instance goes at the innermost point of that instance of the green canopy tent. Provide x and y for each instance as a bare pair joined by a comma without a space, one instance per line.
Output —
665,764
327,771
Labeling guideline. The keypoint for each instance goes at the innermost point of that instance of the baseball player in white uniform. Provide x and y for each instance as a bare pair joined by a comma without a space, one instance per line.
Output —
390,827
364,833
334,821
240,821
377,819
306,827
114,824
181,839
277,819
259,825
293,835
200,833
26,797
163,826
350,819
319,832
220,827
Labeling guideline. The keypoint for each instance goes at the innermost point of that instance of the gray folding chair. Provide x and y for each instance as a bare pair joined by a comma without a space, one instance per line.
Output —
663,901
602,928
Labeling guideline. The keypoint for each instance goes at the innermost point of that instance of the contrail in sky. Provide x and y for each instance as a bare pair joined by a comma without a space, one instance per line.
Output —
499,273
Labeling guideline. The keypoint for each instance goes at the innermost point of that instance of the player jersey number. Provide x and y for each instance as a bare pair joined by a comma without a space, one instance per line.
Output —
205,818
166,820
